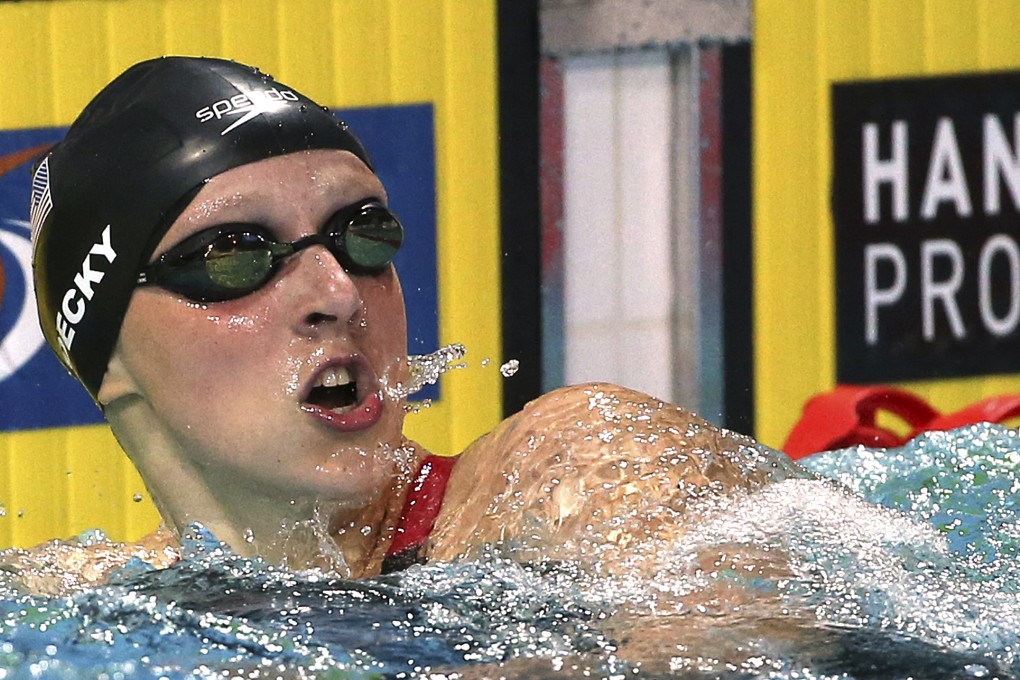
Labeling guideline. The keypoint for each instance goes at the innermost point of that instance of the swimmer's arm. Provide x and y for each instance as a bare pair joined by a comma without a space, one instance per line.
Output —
60,567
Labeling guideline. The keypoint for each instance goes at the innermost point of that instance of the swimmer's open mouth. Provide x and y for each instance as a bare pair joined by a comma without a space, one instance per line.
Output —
334,390
343,395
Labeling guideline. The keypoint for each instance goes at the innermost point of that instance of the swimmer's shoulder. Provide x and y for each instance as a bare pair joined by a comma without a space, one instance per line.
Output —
581,455
581,421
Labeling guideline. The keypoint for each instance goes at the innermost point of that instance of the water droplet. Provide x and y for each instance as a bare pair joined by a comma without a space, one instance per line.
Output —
137,498
93,537
418,407
509,368
248,535
3,510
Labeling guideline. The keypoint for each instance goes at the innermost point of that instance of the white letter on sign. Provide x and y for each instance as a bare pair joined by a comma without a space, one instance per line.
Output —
1000,159
893,171
946,181
1007,246
874,297
944,290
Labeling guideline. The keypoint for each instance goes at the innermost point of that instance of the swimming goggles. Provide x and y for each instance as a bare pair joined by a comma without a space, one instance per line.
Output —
237,259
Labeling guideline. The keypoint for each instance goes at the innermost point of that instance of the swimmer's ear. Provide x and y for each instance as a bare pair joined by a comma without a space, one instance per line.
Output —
117,383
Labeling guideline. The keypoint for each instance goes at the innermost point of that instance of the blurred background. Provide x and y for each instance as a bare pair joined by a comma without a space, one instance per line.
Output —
732,205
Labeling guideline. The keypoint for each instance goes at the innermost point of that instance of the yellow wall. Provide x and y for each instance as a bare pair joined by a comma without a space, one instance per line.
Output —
800,47
343,53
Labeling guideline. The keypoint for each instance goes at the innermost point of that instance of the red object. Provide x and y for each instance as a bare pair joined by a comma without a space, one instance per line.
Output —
422,506
846,417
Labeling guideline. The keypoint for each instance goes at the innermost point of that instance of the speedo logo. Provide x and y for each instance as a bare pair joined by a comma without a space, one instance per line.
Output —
247,106
77,297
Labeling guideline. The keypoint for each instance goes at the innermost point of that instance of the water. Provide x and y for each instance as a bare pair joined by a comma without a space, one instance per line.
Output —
425,369
510,368
801,579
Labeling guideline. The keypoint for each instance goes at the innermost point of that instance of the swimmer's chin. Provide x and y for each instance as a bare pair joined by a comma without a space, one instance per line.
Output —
357,473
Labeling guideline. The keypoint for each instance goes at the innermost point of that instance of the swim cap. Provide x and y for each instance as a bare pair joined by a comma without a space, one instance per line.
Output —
104,196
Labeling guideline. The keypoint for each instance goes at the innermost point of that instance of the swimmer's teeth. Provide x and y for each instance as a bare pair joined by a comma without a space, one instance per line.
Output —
334,390
335,377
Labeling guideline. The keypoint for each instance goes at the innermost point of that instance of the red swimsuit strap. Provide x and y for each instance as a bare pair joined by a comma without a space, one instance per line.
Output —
422,506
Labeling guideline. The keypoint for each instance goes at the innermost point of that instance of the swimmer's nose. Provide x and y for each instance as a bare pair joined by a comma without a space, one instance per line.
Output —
322,292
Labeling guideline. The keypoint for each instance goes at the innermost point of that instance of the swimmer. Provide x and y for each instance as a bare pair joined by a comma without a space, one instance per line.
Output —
213,261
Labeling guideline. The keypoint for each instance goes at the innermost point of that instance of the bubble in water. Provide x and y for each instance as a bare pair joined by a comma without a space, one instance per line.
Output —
248,535
509,368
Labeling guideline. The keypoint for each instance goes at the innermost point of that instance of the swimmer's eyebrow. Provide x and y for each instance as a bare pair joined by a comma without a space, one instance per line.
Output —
209,206
204,208
212,207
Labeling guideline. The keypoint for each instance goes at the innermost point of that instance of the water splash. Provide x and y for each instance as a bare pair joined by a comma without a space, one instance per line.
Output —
963,482
802,578
425,369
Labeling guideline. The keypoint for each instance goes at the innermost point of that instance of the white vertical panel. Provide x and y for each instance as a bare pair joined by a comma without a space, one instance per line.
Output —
590,268
643,358
643,111
617,242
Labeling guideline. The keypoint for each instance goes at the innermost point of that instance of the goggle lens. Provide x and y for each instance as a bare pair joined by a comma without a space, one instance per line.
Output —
371,239
240,265
230,263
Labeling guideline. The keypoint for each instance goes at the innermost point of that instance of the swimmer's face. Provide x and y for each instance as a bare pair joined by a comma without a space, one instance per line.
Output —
281,391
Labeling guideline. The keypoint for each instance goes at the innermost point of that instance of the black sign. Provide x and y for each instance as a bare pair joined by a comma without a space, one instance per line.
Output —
925,196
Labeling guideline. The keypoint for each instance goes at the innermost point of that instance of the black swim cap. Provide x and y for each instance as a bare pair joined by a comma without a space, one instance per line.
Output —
104,196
